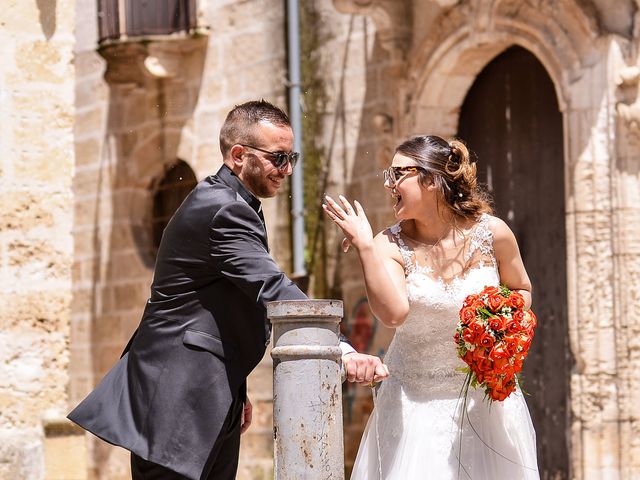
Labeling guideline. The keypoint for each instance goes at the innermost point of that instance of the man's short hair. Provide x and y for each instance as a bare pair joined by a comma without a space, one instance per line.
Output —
239,126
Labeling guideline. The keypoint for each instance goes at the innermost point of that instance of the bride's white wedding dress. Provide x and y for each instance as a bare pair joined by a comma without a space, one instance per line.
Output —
414,431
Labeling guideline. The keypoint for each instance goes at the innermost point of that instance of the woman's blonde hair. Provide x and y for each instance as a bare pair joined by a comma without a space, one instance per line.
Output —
448,165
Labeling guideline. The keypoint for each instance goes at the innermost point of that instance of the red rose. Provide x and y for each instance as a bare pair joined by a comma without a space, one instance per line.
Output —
469,335
499,351
490,290
486,340
467,314
497,323
516,300
496,302
470,300
477,326
513,326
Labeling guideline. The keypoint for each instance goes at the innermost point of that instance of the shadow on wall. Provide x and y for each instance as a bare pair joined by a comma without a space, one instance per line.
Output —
47,10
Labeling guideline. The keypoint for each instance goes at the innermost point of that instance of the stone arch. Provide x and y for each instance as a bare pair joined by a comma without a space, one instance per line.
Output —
441,72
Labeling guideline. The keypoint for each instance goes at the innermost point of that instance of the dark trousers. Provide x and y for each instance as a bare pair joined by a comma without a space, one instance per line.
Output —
222,463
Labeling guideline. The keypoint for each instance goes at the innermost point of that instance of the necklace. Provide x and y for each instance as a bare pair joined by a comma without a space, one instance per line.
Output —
429,246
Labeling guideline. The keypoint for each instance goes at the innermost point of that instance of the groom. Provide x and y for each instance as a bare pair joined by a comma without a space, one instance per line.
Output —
177,398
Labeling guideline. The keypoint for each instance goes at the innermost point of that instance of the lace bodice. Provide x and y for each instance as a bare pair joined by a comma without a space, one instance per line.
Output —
422,355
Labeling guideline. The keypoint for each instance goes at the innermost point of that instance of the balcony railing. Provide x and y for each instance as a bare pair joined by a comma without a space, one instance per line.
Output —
122,19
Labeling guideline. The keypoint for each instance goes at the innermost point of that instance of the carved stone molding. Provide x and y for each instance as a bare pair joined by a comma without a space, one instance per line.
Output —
393,20
629,92
134,62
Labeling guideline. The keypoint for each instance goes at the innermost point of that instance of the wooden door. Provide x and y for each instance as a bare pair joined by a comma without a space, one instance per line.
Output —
511,120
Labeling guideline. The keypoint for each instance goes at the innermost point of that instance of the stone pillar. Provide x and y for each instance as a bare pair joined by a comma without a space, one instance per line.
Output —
307,392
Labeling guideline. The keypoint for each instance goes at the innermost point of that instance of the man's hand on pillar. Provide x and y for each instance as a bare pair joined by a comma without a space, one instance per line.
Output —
364,369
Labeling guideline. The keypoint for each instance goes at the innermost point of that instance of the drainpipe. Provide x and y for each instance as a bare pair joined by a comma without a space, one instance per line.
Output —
295,115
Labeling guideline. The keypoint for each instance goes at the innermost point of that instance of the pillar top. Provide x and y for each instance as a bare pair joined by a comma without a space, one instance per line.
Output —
304,308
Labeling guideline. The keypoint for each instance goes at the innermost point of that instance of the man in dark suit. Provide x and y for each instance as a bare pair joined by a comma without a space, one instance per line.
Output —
177,397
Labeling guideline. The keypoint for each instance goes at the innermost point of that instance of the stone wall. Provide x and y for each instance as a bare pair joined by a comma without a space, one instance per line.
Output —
36,243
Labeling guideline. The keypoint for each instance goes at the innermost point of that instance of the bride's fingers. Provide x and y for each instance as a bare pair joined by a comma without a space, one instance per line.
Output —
332,215
347,206
359,209
335,208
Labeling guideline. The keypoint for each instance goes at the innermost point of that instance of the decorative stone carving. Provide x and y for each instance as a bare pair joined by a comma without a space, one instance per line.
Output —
629,90
392,18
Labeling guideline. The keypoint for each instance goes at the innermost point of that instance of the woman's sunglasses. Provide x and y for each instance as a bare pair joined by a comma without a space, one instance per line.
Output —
278,159
393,174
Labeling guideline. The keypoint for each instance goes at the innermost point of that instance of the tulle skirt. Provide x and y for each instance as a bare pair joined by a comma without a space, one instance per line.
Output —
411,436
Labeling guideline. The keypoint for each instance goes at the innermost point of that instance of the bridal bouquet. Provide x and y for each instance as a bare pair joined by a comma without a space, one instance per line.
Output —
493,338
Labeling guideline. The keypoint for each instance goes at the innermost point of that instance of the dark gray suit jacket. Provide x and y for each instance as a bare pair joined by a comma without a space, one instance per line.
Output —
204,329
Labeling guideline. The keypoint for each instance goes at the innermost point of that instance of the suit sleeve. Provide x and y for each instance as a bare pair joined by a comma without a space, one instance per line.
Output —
238,250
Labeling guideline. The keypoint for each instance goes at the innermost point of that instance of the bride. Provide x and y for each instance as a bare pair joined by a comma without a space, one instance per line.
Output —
417,273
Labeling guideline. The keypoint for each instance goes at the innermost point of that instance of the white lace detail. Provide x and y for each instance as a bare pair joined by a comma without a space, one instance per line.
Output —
481,239
422,355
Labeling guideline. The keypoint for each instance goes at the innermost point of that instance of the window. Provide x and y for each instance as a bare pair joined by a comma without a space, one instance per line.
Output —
120,19
172,189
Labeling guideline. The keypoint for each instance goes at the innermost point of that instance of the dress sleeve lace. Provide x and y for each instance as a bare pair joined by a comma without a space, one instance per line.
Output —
481,244
405,251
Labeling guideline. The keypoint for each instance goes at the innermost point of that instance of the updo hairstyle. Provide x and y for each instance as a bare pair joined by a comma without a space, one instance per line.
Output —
451,170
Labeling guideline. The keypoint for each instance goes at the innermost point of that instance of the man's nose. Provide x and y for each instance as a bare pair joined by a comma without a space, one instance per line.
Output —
288,170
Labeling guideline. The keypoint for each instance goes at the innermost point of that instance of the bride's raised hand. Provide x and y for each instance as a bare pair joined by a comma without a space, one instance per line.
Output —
352,221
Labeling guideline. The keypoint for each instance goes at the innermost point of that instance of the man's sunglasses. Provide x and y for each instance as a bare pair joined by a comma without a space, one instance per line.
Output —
393,174
278,159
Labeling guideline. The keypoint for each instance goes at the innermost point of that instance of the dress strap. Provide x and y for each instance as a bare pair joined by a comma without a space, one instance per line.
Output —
481,239
405,251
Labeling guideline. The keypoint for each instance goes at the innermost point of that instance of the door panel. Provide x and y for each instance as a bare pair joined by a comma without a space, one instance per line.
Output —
511,120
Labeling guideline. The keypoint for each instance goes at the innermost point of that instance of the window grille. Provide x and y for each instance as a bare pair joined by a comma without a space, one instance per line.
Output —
121,19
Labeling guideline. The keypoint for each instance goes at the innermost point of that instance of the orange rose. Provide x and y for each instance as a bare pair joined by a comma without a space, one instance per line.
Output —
467,314
478,304
490,290
516,300
497,323
468,357
496,302
479,354
499,351
511,343
513,326
486,340
501,365
477,326
469,335
524,341
518,315
470,300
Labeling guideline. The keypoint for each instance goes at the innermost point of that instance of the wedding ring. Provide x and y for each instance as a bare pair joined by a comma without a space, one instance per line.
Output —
371,384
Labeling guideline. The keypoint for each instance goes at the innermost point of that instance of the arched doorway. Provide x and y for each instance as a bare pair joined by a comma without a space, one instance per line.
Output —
511,120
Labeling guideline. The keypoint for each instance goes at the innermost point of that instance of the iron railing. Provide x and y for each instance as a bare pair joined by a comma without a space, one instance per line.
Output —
121,19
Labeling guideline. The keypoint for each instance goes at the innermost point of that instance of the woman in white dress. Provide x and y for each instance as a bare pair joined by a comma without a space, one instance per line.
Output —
417,273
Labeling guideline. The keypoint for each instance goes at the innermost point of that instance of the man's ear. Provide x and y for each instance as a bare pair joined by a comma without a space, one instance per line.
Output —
235,154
